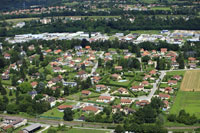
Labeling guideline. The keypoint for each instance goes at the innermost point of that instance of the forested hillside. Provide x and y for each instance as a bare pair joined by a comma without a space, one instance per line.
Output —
13,4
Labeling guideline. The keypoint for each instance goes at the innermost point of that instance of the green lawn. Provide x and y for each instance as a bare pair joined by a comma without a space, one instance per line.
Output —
75,130
172,73
146,31
55,113
190,101
161,8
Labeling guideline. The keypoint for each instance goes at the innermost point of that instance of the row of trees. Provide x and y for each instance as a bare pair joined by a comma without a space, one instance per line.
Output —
183,117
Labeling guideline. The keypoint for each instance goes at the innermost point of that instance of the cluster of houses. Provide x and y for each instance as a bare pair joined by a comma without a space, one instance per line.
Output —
37,10
12,123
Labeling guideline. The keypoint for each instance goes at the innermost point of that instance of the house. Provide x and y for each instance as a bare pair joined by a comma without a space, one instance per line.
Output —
92,109
96,79
125,101
192,65
191,59
116,77
142,103
164,96
5,76
168,90
123,91
137,88
78,47
52,101
82,74
57,69
61,108
14,121
31,47
150,62
100,87
32,128
57,51
85,92
175,65
34,84
166,105
105,99
87,47
177,77
115,108
48,51
72,84
7,56
118,68
152,72
163,51
127,110
32,94
146,53
144,83
172,82
146,77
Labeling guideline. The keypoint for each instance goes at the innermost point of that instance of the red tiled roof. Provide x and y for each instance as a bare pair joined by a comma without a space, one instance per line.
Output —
62,107
85,92
126,101
164,95
34,83
172,82
90,108
104,97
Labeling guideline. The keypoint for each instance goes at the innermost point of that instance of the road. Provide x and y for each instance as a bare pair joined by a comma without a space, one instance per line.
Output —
96,66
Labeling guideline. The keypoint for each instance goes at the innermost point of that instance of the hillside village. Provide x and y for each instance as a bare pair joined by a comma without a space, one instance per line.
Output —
87,81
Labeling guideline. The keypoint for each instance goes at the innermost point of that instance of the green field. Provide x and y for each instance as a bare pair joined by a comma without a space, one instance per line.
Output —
77,130
189,101
161,8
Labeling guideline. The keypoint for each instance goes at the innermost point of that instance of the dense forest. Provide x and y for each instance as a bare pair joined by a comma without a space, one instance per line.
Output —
107,26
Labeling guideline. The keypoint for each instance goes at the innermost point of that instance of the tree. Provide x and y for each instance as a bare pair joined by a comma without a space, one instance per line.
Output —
2,105
2,89
119,129
40,87
145,59
25,87
10,93
5,99
180,60
171,117
66,91
68,114
12,108
57,92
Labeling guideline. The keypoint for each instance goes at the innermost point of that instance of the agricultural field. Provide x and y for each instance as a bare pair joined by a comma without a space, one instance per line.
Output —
191,81
189,101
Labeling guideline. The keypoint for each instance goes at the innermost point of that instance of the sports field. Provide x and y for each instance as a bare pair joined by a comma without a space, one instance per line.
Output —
189,101
191,81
